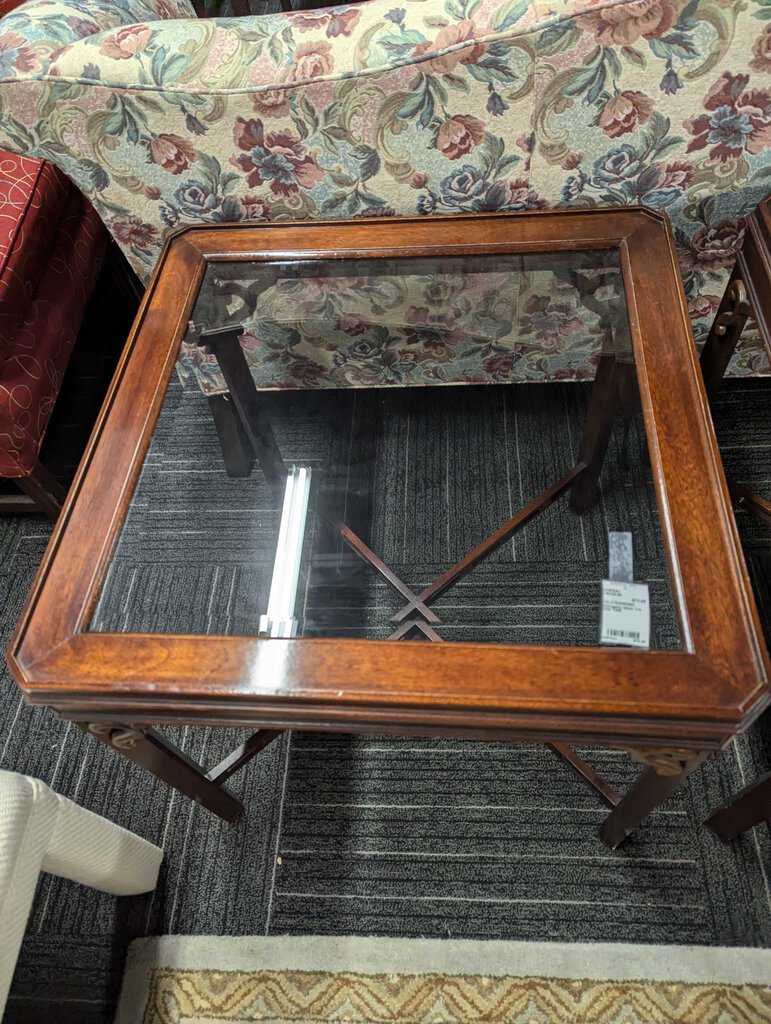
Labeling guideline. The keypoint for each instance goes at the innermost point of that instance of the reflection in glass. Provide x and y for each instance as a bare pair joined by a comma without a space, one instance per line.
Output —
473,512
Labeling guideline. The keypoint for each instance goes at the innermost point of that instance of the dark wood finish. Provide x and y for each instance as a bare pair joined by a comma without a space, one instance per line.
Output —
749,807
242,755
609,796
357,545
226,347
743,497
748,293
237,452
715,685
611,384
42,492
163,759
731,316
649,790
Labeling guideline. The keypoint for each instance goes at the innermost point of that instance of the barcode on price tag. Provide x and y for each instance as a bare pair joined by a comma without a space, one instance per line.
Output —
626,614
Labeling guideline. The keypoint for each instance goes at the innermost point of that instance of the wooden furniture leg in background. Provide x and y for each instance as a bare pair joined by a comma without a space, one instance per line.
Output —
664,772
749,807
42,492
237,453
611,387
724,335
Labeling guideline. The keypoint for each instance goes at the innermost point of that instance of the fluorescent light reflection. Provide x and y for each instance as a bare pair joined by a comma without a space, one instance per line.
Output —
279,620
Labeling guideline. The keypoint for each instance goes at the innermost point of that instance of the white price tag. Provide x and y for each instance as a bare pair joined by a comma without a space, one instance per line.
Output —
626,614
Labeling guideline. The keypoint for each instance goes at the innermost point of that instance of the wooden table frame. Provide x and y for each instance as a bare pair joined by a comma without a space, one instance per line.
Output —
670,708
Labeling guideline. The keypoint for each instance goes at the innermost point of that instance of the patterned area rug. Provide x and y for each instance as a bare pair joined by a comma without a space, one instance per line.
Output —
200,980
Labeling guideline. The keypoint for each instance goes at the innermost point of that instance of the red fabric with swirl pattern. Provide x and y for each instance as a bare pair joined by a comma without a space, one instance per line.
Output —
46,314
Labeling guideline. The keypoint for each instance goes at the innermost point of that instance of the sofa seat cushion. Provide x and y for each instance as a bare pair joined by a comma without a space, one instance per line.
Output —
34,357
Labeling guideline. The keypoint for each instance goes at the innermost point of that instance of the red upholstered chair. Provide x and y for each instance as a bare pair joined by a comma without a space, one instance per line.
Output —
52,245
51,248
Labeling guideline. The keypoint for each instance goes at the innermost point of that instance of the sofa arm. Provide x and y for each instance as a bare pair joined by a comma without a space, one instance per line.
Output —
38,30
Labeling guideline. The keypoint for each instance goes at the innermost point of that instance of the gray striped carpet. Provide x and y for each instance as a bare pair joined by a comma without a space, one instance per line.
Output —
388,836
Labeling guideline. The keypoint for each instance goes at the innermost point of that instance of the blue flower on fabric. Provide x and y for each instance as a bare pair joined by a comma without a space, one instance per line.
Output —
465,185
729,128
396,15
196,199
617,166
496,104
169,215
573,187
670,82
427,203
276,157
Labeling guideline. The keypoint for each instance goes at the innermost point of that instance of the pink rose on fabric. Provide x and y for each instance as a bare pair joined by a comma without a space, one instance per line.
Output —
761,49
676,175
126,42
271,102
130,230
549,322
254,207
278,158
354,324
714,246
172,153
502,363
453,35
338,22
736,119
459,135
515,194
702,306
625,112
14,56
624,24
311,60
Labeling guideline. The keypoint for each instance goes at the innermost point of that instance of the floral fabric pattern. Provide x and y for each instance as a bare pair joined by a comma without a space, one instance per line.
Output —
427,106
497,320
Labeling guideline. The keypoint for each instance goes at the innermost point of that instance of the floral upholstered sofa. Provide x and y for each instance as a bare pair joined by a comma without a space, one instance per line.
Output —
403,107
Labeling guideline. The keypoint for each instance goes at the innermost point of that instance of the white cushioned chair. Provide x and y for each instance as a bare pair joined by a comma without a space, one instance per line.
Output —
43,831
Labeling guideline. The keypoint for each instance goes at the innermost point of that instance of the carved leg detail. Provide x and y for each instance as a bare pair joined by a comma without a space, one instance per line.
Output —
664,773
151,751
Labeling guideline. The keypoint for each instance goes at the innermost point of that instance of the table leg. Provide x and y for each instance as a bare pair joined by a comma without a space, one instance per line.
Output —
664,772
151,751
225,344
237,453
726,330
749,807
612,386
743,497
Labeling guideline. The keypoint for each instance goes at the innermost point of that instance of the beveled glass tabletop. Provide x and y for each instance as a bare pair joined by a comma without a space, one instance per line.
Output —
421,420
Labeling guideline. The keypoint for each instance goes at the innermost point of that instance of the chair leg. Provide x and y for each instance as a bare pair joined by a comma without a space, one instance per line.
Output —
44,493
